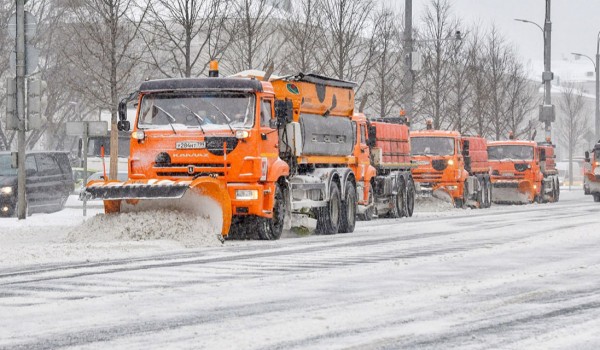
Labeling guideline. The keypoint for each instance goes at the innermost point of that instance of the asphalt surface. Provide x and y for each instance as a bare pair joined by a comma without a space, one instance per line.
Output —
508,277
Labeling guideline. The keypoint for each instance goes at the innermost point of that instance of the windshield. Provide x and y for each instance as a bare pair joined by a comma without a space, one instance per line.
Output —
597,153
203,110
5,168
510,152
432,146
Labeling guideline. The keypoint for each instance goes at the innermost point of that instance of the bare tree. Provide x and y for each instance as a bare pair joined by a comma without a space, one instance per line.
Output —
387,62
183,36
522,99
460,89
572,120
347,49
104,53
500,58
436,78
303,37
253,29
479,102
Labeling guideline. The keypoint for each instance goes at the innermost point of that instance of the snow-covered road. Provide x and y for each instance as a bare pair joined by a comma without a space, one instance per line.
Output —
509,277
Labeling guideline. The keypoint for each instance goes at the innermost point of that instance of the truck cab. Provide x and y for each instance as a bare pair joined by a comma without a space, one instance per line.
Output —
591,178
440,164
516,173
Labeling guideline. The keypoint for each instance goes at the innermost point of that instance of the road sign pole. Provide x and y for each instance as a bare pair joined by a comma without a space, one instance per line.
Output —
20,65
84,139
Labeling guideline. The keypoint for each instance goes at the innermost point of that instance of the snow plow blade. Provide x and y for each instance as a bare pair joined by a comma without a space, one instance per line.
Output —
203,196
511,193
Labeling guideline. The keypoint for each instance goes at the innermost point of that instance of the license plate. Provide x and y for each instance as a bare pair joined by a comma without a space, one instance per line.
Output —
190,145
422,162
508,174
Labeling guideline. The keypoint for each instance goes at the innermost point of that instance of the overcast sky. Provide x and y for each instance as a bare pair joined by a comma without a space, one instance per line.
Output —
575,23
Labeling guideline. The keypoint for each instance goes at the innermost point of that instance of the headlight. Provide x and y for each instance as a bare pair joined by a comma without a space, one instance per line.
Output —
242,134
5,209
6,190
138,135
450,162
246,194
452,188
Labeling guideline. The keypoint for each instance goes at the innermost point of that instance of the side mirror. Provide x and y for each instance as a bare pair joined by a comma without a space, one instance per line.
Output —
123,125
284,110
587,157
465,148
372,136
123,109
273,123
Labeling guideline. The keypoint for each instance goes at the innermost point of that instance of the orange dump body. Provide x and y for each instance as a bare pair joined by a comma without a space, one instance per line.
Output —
516,173
392,147
591,179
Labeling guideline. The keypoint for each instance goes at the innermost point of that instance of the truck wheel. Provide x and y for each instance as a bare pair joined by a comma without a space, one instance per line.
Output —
557,190
489,193
370,211
481,193
328,217
348,217
270,229
410,198
596,197
398,201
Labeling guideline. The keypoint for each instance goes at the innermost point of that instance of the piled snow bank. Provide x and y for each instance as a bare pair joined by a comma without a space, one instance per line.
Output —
432,204
189,229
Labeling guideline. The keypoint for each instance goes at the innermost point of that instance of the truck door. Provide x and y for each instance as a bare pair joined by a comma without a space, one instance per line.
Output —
269,145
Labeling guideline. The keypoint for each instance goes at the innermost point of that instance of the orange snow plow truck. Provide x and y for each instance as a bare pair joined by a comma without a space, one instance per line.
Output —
451,167
591,176
523,172
244,151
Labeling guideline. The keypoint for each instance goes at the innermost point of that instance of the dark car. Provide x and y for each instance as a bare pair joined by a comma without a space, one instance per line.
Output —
49,182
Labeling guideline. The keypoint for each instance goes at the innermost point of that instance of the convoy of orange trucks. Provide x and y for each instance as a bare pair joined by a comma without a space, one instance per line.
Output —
523,171
451,167
252,151
591,176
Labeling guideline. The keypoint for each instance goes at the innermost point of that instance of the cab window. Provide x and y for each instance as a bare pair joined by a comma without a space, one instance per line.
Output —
363,134
265,112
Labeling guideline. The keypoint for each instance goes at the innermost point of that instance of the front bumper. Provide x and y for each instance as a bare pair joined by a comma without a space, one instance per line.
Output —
255,206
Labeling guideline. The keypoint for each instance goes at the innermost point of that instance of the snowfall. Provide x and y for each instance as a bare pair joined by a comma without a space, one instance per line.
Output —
509,277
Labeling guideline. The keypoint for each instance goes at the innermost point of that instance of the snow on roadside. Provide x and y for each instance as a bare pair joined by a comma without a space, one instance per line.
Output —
188,229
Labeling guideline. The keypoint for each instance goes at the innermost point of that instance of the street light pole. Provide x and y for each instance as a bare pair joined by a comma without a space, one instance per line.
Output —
547,114
408,49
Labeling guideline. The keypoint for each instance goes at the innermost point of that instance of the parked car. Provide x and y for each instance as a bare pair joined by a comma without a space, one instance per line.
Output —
49,182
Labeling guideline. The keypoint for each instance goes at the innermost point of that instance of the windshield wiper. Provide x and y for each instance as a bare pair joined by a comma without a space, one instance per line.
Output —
171,118
199,119
223,113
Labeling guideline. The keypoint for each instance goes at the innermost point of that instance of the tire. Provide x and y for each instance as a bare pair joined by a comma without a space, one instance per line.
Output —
557,190
481,192
410,198
461,202
490,189
328,217
370,211
271,228
398,201
596,197
348,212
